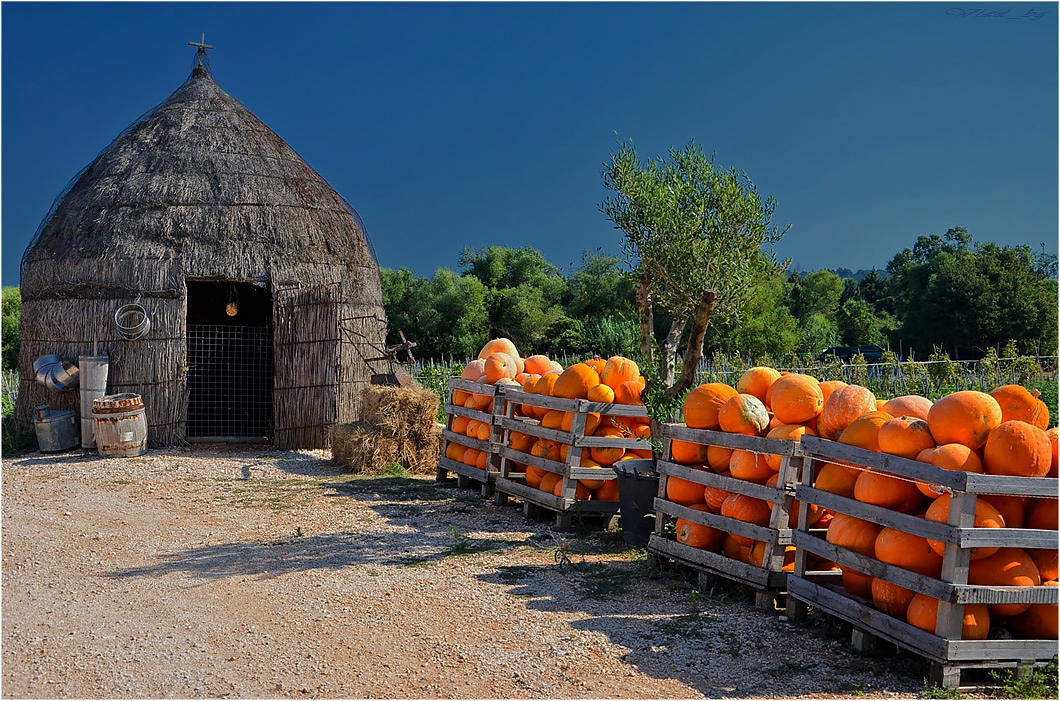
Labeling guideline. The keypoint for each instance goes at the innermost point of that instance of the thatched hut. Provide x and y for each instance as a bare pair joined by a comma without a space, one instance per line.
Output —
260,282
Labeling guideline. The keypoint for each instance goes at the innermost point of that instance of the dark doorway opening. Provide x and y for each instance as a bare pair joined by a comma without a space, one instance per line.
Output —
230,361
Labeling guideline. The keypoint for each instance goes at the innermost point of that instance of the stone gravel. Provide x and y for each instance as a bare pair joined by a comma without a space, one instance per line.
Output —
232,571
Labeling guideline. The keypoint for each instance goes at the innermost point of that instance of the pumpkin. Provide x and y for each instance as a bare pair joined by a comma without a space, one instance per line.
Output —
537,364
549,482
580,490
732,548
843,406
455,452
951,456
1008,567
1039,621
1019,404
534,475
836,479
575,381
756,381
855,534
459,425
864,432
750,467
796,398
482,432
696,535
713,497
718,458
1017,449
607,455
1042,514
601,393
829,386
792,432
617,370
608,492
744,414
1046,562
986,516
886,490
553,419
474,370
498,345
683,492
498,366
596,363
965,417
908,405
747,509
905,436
470,457
592,422
688,453
1054,434
702,403
1009,506
923,612
890,598
629,393
544,448
521,441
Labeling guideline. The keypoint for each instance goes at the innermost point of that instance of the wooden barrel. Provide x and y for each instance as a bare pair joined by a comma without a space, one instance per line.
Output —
120,425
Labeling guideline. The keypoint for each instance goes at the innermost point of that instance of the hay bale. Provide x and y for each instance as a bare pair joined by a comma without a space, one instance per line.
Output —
400,412
364,449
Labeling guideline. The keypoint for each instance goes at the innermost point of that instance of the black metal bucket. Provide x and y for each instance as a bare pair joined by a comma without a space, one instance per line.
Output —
638,485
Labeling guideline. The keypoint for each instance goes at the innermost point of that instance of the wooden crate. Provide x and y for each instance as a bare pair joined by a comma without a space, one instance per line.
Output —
511,482
468,474
945,650
769,579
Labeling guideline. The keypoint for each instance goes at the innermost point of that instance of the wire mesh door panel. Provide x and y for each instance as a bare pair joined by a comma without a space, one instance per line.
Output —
230,377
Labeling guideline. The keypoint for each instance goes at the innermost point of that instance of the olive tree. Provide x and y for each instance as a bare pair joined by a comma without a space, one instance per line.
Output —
694,234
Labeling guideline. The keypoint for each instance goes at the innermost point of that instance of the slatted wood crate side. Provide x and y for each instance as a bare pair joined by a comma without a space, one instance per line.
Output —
945,648
512,483
467,473
770,574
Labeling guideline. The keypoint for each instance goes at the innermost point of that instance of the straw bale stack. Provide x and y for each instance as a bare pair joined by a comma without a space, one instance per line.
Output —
398,427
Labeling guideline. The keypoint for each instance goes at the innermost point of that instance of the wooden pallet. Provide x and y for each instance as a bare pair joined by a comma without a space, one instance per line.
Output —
469,475
769,580
511,481
945,650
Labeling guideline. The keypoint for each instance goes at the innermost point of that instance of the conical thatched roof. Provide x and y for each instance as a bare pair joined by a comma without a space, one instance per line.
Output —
200,178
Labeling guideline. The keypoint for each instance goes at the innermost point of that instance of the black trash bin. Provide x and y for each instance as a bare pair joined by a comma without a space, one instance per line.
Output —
638,485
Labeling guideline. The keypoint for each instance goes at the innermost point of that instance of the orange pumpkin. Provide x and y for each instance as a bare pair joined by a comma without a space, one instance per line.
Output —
521,441
843,407
905,436
747,509
1008,567
796,398
534,475
608,492
683,492
756,381
455,452
474,370
596,363
750,467
1009,506
744,414
855,534
549,482
702,404
1020,404
965,417
886,490
607,455
537,364
687,453
601,393
785,432
1054,435
890,598
864,431
575,381
499,366
553,419
629,393
836,479
908,405
1017,449
986,516
829,386
951,456
1039,621
1046,562
459,425
498,345
696,535
908,551
923,612
714,497
617,370
1042,514
718,458
592,422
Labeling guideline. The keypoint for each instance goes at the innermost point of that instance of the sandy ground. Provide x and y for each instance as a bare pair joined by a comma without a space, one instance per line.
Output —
221,571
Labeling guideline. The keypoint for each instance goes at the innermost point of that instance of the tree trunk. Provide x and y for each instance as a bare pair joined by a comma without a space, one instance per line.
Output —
669,351
694,351
646,318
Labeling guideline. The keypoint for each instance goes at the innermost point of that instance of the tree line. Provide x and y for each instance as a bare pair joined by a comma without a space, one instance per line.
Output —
945,294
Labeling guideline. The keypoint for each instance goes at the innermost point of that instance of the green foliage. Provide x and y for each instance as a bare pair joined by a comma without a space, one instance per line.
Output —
817,333
11,307
1041,683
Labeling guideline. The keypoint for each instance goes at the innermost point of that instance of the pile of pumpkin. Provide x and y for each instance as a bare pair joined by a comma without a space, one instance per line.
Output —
1003,432
616,380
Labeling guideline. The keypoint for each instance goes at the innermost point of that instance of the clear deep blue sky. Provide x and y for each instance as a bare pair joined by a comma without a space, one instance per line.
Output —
468,124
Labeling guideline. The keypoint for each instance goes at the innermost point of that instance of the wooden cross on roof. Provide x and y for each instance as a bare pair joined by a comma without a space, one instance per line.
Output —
202,45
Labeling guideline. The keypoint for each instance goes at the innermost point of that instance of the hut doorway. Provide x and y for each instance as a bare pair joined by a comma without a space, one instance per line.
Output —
230,361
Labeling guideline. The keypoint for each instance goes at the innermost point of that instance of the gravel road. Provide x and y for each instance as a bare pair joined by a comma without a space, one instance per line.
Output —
228,571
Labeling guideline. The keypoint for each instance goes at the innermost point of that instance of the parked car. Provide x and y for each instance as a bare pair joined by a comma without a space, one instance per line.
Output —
872,353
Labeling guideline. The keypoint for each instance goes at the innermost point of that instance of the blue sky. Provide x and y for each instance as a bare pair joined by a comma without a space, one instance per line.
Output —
468,124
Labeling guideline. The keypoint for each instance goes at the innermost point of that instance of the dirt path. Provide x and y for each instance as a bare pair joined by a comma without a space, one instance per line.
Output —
232,572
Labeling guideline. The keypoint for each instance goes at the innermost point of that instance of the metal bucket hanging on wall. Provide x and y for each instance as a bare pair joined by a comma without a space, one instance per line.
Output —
132,321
